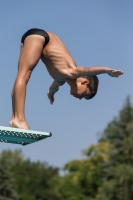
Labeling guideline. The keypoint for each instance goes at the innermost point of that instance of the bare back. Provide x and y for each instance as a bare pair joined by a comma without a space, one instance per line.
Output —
57,58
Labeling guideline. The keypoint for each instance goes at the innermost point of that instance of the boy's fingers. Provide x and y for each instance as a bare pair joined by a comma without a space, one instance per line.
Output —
52,100
117,72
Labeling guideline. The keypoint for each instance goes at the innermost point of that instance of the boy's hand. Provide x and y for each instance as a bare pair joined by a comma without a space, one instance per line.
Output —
113,72
51,97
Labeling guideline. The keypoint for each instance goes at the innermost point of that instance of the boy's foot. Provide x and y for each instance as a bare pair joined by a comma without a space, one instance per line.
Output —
18,124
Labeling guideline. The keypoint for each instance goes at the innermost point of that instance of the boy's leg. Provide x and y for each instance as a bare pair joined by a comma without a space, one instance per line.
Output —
13,108
29,57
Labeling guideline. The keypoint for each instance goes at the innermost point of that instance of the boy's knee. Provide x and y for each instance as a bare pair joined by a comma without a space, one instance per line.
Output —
24,76
27,75
12,93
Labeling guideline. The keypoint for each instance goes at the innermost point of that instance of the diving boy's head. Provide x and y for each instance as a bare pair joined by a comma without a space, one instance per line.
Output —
85,87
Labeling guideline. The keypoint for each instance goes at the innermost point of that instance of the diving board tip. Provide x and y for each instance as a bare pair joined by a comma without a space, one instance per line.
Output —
21,136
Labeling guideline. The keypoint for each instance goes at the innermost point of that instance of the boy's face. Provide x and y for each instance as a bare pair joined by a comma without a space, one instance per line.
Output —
80,90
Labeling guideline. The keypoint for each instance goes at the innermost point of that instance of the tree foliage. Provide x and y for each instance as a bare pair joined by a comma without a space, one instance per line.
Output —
118,172
35,180
84,176
8,189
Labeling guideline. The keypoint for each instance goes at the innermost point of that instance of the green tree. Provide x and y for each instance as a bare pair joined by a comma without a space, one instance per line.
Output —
118,172
35,180
83,177
8,190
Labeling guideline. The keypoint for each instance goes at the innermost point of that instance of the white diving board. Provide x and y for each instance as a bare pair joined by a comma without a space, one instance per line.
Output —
21,136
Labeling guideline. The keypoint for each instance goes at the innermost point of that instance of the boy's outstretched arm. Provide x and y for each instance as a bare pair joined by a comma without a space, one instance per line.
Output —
53,89
84,71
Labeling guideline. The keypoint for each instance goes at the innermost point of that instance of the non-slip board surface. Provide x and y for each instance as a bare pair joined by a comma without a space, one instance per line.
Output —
21,136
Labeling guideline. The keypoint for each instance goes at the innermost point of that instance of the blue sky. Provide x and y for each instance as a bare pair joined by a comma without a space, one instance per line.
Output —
96,33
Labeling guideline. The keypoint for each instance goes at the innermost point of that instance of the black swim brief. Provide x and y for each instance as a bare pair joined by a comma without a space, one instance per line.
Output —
35,31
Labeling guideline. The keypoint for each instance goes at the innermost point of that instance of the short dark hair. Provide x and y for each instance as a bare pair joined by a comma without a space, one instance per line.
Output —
93,85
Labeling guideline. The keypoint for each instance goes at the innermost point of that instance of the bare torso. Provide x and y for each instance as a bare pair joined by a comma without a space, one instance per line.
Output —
57,59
